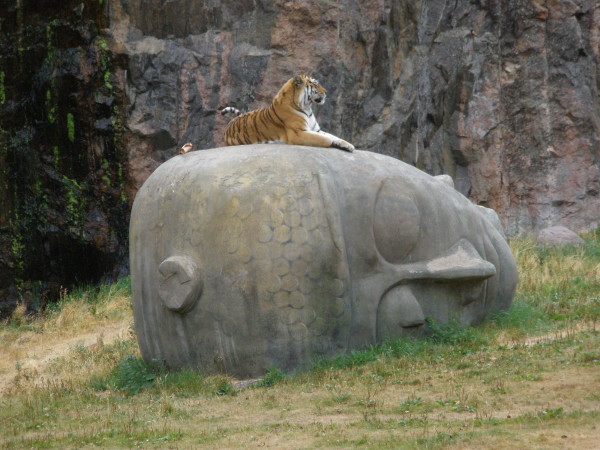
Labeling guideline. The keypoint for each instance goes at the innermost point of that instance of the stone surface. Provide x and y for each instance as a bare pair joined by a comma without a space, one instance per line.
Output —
559,236
63,168
244,258
501,95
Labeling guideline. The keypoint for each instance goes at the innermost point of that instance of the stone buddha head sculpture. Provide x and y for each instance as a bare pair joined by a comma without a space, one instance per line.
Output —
261,256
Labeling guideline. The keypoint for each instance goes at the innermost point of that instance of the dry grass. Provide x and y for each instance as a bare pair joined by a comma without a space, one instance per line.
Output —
81,320
542,269
527,379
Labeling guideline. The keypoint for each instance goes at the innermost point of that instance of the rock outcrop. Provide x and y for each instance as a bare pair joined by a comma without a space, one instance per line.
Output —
559,236
501,95
63,209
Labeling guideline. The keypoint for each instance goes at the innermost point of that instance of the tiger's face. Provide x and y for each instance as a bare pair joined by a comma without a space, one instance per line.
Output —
311,90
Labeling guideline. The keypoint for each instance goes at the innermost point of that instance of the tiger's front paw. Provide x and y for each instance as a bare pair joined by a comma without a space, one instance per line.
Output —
343,145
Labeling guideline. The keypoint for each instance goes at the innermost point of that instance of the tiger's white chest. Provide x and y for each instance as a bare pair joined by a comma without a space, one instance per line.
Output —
311,123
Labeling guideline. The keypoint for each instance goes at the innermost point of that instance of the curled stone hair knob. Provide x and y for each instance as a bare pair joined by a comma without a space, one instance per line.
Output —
180,283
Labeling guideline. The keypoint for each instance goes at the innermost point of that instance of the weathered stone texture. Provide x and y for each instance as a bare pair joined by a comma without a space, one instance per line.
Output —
258,256
501,95
559,236
63,211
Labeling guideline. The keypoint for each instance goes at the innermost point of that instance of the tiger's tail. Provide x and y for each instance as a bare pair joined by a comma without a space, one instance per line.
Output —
230,110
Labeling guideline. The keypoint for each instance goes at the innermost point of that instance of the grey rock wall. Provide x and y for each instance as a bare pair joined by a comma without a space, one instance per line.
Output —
502,95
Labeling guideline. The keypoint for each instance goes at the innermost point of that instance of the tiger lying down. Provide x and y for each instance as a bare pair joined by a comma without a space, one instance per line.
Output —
288,119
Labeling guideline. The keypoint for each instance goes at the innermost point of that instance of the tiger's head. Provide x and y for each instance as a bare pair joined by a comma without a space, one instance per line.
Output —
309,91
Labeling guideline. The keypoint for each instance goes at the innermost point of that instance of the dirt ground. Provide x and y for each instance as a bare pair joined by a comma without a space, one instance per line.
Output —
34,353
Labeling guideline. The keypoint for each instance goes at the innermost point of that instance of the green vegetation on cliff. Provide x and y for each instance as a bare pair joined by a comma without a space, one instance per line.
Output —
64,210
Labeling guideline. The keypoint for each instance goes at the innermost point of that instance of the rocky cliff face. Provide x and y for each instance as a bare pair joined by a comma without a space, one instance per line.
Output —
502,95
63,210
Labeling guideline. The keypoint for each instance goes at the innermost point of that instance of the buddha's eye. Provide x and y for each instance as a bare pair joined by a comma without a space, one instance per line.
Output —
395,223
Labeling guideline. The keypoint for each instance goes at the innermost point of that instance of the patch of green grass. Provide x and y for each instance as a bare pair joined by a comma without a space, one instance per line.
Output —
388,349
132,375
273,376
70,127
589,357
522,316
337,394
545,414
224,387
456,334
561,282
184,383
103,293
443,339
415,405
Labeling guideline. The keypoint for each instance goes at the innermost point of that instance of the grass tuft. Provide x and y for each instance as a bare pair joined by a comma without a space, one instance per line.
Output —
184,383
132,375
561,282
522,316
272,377
456,334
224,387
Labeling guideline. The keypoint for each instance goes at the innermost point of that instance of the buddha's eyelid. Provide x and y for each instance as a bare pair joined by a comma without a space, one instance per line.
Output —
462,262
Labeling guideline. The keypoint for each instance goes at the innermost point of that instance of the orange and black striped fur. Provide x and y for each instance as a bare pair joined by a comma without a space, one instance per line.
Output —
288,119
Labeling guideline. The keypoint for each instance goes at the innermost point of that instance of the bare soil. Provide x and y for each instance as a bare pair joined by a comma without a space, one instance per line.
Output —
33,353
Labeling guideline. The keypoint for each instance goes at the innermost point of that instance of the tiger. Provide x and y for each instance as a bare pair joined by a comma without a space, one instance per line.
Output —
289,119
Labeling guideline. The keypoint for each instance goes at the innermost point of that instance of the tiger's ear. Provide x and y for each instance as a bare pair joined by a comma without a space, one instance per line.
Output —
298,80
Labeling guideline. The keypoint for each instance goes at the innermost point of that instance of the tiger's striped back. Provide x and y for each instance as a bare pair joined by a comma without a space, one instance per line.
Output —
261,125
